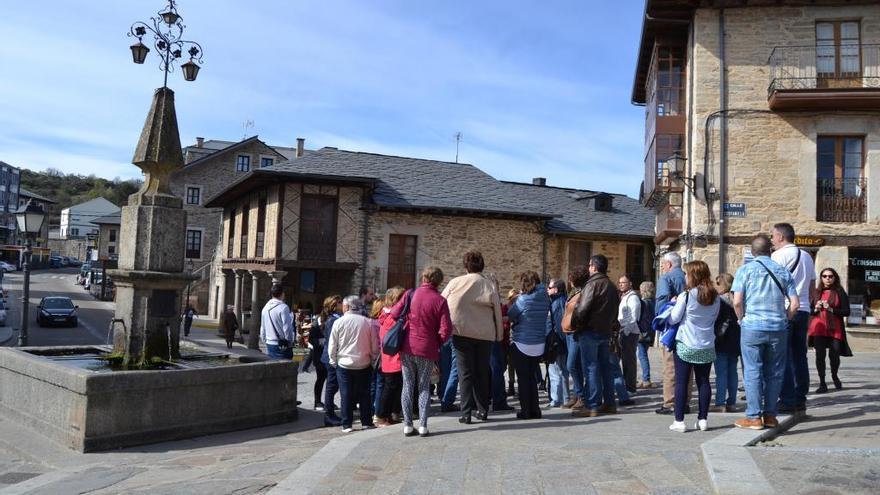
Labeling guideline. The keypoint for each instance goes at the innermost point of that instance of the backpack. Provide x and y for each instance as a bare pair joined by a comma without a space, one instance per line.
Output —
646,318
726,321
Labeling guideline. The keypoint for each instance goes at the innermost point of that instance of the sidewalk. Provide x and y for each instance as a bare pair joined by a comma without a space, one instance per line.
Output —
836,448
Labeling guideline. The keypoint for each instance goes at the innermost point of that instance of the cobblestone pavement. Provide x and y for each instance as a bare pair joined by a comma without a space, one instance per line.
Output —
632,452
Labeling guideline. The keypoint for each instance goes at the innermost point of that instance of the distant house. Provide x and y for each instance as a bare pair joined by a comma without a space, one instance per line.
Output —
334,220
10,180
210,167
76,220
23,197
108,236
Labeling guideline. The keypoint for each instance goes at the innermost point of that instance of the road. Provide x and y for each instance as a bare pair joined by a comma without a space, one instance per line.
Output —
94,316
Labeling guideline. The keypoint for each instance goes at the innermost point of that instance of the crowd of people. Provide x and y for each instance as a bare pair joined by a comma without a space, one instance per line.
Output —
589,334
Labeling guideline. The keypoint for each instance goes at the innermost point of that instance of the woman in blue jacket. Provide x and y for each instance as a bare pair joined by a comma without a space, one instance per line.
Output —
528,317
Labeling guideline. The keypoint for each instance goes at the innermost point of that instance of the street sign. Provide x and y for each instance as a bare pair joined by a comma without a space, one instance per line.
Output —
734,210
872,276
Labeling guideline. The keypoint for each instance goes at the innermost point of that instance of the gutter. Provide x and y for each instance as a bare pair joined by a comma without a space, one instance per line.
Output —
722,89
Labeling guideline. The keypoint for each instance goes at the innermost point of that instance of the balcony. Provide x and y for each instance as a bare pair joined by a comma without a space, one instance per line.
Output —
658,185
842,200
825,77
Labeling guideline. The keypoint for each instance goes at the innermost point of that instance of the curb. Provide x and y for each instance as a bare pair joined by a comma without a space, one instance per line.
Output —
7,335
730,466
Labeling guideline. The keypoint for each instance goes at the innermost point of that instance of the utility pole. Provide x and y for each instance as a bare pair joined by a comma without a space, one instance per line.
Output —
457,142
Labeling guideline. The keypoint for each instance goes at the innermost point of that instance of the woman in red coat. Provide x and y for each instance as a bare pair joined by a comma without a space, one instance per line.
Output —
827,331
392,378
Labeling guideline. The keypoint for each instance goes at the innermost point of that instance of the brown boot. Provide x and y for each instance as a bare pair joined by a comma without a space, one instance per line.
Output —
749,423
607,409
578,405
770,421
570,403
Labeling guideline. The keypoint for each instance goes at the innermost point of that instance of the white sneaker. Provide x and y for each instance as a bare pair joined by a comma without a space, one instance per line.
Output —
347,429
423,431
678,426
408,430
702,425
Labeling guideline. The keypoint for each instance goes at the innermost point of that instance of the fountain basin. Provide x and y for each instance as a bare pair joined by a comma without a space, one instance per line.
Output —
90,410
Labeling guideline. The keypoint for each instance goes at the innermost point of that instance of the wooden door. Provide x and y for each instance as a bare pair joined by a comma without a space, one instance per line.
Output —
402,260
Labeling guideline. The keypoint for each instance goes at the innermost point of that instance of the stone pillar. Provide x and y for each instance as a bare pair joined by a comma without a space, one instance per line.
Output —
236,295
220,306
254,324
277,276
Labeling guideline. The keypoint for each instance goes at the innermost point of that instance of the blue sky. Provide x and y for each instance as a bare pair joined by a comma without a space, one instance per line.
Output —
536,88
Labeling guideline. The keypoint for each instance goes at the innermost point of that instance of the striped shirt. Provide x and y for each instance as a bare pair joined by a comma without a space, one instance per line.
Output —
763,301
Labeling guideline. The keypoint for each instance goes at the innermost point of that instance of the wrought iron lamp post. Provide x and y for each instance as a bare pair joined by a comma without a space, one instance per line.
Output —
30,221
167,30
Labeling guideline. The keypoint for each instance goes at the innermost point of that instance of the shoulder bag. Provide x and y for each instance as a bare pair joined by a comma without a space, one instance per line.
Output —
570,306
394,338
776,281
283,344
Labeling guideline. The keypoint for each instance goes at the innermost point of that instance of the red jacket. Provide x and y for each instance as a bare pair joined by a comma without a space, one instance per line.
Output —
428,322
390,364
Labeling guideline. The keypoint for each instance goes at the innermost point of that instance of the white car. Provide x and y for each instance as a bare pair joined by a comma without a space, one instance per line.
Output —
6,267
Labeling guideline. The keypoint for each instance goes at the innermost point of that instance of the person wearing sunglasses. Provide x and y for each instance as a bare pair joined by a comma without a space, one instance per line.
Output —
827,332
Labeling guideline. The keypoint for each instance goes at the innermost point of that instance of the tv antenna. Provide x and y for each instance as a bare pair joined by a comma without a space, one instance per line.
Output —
247,125
457,137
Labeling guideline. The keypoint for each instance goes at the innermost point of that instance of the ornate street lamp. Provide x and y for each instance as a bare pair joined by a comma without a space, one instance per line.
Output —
30,221
677,165
167,30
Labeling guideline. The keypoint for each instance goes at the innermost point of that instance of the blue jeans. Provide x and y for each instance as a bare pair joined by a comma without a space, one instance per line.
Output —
275,353
726,378
596,363
376,385
642,352
763,354
448,386
617,373
354,388
796,381
497,366
559,380
573,364
330,392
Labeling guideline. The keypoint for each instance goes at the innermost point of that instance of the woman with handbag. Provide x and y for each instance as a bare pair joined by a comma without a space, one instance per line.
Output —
318,341
727,348
389,370
428,325
646,340
827,331
529,330
229,324
695,311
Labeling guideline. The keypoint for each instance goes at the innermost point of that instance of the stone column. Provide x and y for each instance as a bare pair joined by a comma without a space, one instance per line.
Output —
254,325
236,295
277,276
220,307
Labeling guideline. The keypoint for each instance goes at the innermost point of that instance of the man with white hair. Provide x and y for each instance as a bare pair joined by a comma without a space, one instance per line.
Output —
669,286
352,348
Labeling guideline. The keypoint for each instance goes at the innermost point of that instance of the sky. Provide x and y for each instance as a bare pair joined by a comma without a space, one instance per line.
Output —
536,89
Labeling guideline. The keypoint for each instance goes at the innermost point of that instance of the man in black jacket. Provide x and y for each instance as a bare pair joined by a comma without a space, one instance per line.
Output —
593,320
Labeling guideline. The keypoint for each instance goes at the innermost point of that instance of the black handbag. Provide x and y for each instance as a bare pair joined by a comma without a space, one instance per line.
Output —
283,344
394,338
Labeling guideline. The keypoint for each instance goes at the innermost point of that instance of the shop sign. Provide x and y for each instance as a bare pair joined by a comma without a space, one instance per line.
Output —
809,240
872,275
864,262
734,210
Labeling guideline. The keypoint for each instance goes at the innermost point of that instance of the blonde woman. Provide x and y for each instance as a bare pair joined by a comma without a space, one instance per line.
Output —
646,292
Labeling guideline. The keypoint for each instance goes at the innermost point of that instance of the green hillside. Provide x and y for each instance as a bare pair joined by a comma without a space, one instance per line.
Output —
71,189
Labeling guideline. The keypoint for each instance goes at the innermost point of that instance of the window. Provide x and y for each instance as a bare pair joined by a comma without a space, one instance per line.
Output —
194,244
243,163
670,80
74,232
635,264
838,51
245,214
230,235
266,161
112,236
261,226
402,260
193,195
841,185
317,231
579,253
111,249
307,280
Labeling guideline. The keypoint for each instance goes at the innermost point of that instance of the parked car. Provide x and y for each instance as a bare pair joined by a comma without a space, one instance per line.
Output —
7,267
55,310
75,262
65,261
55,262
2,313
95,289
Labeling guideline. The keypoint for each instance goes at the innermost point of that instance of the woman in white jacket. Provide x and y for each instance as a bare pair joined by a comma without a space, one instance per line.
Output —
695,310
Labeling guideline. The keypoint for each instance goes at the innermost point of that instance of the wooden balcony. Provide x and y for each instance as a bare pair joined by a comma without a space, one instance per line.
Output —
824,78
658,185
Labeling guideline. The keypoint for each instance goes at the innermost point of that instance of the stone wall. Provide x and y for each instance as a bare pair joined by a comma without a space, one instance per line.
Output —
75,248
771,156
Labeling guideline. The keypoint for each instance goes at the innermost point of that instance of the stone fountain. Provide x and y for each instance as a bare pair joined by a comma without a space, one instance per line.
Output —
73,396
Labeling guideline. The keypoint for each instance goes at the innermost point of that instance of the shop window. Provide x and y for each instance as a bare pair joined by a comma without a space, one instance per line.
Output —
863,286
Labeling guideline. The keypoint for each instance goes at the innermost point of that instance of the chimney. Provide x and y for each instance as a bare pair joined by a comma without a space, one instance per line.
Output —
300,146
539,181
200,142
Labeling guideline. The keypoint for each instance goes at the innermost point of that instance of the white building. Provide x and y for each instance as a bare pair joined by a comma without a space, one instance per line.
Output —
76,221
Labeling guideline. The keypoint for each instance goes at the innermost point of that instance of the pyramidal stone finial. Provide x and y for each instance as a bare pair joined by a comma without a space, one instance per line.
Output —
158,151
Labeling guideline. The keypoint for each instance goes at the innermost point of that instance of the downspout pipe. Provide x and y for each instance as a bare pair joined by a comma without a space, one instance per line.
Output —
722,189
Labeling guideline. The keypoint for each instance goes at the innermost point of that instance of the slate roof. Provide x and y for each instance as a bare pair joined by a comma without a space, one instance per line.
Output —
108,220
577,212
27,194
212,146
413,183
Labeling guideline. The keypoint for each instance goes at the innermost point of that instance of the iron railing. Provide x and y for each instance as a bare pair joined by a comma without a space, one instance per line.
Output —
831,66
842,200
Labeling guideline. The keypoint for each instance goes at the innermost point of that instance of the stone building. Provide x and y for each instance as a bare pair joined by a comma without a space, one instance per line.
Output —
108,241
10,180
775,108
333,221
76,220
210,167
